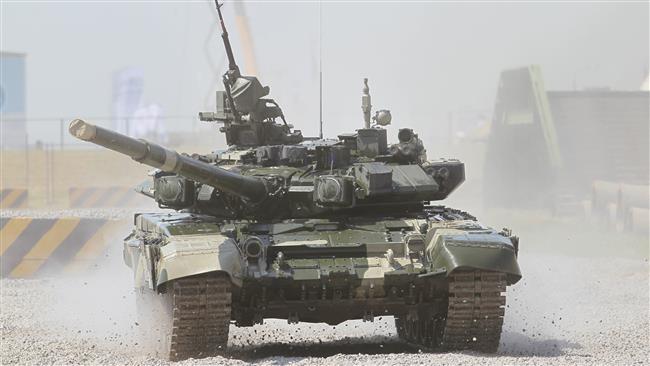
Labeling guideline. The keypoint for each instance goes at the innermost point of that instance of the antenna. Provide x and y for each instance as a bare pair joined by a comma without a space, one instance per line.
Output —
320,69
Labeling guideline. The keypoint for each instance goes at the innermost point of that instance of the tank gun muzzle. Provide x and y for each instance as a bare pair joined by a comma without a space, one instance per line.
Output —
156,156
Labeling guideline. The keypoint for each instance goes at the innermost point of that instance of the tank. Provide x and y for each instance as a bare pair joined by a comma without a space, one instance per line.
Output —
309,230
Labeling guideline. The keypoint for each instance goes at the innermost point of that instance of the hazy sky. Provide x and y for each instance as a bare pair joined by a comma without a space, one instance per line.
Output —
423,59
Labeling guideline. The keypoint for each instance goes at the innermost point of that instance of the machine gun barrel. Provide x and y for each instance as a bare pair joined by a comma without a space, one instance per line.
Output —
170,161
232,65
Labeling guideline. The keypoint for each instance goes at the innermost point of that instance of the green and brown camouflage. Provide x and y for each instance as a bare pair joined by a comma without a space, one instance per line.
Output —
309,230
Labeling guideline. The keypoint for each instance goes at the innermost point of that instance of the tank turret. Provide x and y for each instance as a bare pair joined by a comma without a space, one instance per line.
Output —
284,181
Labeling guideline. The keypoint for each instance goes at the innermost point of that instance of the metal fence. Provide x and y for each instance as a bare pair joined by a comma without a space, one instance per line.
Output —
52,133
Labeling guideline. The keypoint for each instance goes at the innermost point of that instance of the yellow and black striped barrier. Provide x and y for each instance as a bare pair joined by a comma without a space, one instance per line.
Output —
92,197
13,198
34,247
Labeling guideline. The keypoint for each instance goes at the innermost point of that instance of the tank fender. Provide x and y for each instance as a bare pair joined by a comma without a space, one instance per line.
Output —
139,257
188,255
450,249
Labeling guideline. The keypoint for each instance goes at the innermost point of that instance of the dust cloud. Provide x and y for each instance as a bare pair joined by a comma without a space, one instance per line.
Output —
97,305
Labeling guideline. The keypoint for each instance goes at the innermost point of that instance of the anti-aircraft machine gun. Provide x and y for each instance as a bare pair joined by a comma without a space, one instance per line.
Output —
248,117
278,226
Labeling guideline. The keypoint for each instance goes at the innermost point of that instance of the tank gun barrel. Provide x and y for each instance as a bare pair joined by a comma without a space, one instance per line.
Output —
170,161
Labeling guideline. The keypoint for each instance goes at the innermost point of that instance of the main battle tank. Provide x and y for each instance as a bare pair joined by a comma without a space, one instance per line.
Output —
308,230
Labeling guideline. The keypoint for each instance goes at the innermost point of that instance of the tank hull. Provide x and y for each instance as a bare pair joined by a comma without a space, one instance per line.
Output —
330,271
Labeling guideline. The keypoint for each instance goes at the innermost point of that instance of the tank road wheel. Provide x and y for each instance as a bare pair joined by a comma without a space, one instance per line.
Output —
191,319
475,312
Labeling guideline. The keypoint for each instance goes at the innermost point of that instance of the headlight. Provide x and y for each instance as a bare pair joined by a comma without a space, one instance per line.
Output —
253,247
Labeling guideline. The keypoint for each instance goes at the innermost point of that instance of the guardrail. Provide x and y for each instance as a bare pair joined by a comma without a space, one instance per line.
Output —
52,132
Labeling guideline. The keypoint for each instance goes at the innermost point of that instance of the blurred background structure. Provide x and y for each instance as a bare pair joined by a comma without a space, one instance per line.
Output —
13,129
557,144
567,137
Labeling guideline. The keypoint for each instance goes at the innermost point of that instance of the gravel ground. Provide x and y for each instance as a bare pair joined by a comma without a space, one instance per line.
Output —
566,310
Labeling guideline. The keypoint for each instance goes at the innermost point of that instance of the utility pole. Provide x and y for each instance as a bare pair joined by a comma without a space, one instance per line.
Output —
320,69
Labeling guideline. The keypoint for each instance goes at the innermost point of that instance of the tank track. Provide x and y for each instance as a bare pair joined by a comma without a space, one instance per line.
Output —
473,320
200,316
475,313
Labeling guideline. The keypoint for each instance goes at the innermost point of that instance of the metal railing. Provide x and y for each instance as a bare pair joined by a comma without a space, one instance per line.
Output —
52,133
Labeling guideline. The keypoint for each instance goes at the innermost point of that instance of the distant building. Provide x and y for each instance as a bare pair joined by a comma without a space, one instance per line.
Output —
549,144
13,129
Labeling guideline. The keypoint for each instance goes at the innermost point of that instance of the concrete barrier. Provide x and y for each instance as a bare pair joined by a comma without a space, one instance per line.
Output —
631,195
13,198
621,206
33,247
603,194
637,220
